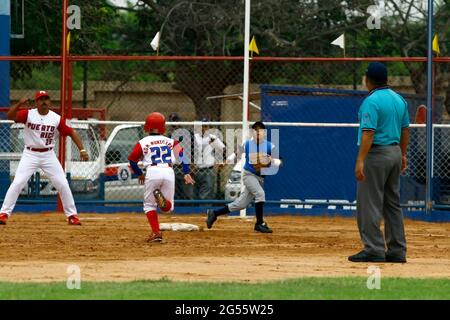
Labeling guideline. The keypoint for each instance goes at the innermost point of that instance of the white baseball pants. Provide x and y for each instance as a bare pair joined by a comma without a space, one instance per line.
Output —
158,178
30,162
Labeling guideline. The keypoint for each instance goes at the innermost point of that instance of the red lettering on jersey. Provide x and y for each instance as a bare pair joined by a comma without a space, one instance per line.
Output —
38,127
47,135
43,128
52,128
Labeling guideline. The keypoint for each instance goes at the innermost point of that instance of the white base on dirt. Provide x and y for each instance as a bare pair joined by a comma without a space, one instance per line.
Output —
178,227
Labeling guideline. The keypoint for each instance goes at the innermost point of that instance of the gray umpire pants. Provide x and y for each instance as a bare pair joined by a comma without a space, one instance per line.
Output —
253,190
378,197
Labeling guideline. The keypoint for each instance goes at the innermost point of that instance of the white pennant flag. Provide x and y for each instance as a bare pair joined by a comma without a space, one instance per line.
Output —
340,41
155,42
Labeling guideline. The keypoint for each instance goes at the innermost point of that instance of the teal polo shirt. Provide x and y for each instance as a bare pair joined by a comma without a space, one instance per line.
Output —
386,113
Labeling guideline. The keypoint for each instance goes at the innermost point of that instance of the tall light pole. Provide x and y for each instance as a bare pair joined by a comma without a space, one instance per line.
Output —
429,167
246,84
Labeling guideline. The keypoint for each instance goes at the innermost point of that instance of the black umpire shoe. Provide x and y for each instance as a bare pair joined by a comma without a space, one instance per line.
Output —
210,218
263,228
394,259
363,256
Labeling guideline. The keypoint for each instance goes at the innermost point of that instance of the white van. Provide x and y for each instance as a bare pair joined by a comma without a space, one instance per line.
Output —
120,182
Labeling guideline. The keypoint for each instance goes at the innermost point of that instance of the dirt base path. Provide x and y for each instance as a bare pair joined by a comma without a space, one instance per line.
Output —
113,248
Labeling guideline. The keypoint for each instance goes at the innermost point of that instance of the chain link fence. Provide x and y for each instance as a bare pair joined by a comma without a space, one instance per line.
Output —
194,89
107,176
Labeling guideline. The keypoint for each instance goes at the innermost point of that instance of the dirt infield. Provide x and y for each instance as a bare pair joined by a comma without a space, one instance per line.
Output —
113,248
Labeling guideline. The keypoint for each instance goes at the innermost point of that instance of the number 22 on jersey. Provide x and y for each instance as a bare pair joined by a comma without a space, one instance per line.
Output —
161,154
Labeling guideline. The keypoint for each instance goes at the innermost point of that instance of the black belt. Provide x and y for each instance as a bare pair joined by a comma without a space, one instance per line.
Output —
384,145
39,149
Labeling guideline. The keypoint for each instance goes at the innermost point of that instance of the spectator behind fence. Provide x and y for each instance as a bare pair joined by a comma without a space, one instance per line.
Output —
208,146
182,191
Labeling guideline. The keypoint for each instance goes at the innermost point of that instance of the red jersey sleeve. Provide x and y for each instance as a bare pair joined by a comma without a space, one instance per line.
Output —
21,116
63,128
136,154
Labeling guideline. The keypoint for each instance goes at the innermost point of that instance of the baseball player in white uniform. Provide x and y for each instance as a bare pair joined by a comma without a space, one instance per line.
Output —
39,134
158,154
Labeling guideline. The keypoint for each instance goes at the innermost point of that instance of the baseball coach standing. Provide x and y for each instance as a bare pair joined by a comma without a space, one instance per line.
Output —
383,140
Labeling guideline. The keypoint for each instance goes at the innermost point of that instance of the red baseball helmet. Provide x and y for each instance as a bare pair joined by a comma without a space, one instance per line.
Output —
40,94
155,121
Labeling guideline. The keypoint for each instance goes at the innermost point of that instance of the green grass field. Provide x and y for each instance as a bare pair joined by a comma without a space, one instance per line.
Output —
298,289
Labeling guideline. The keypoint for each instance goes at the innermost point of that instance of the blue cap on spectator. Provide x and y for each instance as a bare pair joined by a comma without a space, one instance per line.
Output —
377,72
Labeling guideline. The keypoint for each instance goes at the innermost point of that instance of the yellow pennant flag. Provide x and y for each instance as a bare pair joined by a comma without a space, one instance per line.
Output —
68,43
253,46
436,45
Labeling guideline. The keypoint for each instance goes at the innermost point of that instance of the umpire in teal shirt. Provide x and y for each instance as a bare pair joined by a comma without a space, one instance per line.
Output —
383,140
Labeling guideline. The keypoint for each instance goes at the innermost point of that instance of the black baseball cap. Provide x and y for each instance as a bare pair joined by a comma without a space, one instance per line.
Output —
258,125
174,117
377,72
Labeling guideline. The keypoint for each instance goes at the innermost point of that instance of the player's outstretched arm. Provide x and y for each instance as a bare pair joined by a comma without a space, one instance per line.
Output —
12,112
179,153
84,156
186,169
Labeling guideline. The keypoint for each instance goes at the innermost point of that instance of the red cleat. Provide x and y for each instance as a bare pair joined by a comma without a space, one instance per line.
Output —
74,221
3,218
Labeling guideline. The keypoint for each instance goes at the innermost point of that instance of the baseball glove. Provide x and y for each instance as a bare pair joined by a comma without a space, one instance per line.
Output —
260,160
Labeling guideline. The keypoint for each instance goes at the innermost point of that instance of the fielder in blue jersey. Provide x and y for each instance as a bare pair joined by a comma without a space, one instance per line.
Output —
259,161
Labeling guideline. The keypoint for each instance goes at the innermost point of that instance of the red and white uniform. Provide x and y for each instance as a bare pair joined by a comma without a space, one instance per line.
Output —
158,154
40,130
40,137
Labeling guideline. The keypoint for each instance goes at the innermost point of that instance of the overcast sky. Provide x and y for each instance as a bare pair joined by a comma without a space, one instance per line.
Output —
122,3
423,3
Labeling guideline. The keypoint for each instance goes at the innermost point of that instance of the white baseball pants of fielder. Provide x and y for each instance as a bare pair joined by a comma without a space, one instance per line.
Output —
162,178
30,162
